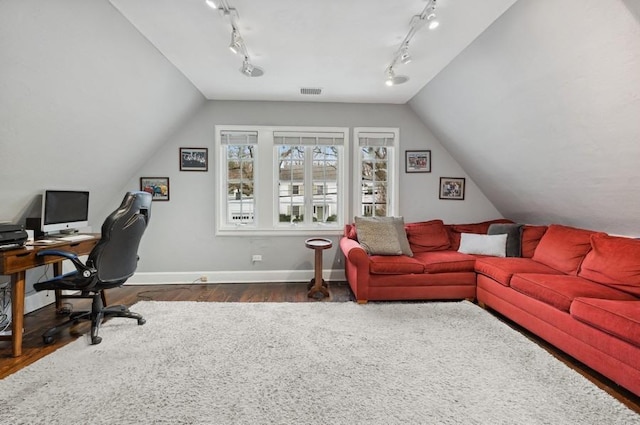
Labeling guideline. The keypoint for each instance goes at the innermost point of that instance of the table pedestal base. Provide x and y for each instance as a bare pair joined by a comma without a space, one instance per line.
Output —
318,287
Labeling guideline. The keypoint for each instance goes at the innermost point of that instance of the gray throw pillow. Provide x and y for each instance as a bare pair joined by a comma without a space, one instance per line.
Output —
383,235
514,236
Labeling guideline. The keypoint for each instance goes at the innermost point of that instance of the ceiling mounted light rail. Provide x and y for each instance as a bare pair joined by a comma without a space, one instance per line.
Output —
237,45
402,55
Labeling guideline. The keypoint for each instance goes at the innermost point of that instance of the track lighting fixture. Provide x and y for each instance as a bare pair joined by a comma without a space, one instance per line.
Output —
402,55
237,45
236,42
393,79
250,70
405,56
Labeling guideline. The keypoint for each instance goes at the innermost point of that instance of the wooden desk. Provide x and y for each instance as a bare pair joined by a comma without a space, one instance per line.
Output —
15,263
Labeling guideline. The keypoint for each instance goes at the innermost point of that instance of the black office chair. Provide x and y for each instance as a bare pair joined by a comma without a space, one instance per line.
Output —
111,262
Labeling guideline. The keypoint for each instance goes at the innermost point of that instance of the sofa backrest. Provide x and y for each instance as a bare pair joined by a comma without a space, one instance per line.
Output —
613,261
427,236
563,248
531,236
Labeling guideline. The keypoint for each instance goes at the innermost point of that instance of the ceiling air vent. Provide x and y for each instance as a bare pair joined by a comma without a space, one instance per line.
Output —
310,91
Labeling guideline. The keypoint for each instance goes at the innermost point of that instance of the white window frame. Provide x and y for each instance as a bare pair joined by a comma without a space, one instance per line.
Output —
266,178
393,170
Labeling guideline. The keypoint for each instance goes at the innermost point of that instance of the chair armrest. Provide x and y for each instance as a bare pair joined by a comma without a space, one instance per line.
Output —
80,267
66,254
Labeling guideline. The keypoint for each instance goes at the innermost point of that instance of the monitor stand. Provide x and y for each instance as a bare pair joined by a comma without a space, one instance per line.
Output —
68,231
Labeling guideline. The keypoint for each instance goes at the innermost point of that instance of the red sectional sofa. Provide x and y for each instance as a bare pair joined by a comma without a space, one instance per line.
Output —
575,288
436,270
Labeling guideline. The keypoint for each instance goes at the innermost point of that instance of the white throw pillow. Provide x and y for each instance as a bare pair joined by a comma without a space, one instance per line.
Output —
494,245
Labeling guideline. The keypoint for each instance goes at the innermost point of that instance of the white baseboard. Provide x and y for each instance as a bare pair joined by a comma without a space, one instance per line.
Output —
253,276
38,300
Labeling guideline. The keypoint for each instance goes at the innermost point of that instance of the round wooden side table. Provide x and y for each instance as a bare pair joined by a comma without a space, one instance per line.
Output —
319,287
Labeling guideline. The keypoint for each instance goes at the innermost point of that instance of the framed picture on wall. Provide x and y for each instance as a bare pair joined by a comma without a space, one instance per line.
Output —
452,188
194,159
417,162
157,186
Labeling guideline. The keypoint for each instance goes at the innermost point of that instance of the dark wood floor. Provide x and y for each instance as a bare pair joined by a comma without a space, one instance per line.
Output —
38,321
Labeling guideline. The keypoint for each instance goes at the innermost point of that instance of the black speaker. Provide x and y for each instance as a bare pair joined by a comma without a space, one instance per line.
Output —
33,223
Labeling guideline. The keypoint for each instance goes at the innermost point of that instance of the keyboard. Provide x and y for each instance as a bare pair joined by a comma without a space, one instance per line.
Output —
75,238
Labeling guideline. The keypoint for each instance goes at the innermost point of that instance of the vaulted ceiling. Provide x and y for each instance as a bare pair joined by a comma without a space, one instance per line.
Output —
537,100
341,47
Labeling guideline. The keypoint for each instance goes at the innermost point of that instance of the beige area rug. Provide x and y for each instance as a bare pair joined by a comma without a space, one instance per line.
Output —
306,363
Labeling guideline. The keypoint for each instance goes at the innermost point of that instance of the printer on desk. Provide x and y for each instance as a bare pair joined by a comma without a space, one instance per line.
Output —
12,236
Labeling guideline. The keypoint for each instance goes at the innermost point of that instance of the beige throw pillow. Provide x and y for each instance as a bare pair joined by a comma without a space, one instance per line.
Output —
383,235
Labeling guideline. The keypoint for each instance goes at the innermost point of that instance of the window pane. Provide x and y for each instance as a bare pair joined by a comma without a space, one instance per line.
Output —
374,179
291,183
240,188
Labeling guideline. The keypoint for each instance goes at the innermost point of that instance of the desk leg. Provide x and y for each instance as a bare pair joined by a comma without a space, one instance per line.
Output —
17,311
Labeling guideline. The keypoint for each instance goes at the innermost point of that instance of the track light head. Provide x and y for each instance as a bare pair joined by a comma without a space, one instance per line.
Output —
432,19
236,42
393,79
250,70
405,56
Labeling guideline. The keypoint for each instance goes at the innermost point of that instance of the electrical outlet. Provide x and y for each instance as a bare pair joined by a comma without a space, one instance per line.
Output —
256,257
203,278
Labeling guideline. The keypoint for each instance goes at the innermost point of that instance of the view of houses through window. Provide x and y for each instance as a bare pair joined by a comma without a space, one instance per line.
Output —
292,178
311,161
240,153
378,172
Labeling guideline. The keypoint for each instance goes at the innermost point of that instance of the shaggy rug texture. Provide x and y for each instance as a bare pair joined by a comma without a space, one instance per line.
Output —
306,363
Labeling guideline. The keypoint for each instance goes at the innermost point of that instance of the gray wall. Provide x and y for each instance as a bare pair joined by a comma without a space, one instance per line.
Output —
84,100
181,242
543,112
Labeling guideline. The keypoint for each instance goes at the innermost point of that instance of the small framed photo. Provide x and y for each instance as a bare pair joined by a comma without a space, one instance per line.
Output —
157,186
194,159
417,162
452,188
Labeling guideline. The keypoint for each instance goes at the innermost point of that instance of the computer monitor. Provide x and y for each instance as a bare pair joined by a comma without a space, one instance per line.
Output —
64,211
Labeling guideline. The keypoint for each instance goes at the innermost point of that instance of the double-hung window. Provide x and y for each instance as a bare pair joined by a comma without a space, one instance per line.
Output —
239,148
376,172
282,180
309,181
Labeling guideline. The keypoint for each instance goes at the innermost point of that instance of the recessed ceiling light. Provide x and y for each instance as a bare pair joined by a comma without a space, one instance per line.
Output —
211,4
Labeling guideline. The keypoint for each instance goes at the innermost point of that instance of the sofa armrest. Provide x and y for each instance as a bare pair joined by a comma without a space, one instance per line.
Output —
356,267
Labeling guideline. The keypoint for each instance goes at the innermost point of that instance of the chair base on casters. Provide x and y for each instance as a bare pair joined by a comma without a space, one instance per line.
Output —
97,314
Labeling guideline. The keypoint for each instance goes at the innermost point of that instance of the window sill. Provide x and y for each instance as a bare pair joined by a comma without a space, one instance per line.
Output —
286,231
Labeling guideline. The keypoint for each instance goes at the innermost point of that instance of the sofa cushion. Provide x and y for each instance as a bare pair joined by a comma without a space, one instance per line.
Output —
502,269
613,261
427,236
482,228
445,261
394,264
563,248
560,290
514,236
494,245
531,236
382,235
618,318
